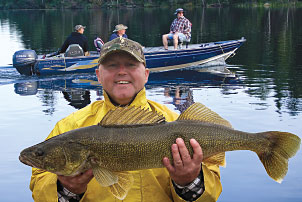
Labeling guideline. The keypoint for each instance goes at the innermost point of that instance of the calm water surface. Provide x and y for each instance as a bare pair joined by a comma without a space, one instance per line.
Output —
266,93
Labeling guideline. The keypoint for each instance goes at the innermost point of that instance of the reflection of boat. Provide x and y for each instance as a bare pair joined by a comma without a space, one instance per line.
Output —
158,60
215,75
219,72
26,88
77,98
77,89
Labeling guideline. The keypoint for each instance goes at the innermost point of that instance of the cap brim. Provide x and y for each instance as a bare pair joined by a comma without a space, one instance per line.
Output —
178,12
101,60
119,29
81,28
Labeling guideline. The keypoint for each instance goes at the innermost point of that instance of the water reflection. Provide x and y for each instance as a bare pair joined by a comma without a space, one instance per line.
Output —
76,91
182,96
261,85
213,76
77,98
26,88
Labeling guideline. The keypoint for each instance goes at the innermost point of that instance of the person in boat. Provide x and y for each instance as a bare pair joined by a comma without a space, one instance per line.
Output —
119,31
123,74
180,30
76,37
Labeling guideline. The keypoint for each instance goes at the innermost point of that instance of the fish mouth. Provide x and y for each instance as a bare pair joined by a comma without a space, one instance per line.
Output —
28,161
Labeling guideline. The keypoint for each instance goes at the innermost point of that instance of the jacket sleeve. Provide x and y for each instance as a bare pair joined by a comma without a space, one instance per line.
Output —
43,186
64,46
212,185
85,48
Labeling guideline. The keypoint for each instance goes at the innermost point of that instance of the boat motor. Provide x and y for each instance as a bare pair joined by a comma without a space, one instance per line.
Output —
24,61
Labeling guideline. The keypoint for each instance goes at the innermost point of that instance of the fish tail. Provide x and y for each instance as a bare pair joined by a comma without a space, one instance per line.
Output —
283,146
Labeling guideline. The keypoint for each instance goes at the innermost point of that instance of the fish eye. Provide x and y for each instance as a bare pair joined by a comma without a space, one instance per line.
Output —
39,152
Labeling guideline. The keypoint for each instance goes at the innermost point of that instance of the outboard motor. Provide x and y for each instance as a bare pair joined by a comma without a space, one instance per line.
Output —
24,61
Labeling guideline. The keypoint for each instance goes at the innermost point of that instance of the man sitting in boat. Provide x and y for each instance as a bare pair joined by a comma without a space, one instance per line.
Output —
180,30
76,37
119,31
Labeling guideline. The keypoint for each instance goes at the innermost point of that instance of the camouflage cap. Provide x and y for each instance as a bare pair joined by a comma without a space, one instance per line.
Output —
123,44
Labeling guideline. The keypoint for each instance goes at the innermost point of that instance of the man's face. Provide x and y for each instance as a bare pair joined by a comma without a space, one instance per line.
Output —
122,77
180,14
81,30
121,32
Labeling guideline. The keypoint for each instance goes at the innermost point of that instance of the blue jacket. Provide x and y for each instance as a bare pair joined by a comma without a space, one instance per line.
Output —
114,35
75,38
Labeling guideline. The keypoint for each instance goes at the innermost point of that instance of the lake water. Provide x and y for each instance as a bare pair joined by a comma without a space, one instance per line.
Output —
266,93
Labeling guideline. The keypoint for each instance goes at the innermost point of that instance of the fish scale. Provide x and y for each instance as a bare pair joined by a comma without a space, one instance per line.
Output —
142,147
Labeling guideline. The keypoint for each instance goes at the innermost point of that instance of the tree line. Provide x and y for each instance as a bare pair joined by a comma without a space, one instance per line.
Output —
88,4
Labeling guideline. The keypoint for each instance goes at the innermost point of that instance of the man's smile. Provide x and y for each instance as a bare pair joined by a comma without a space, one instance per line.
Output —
122,82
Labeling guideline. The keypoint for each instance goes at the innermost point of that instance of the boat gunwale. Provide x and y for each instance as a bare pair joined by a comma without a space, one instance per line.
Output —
161,52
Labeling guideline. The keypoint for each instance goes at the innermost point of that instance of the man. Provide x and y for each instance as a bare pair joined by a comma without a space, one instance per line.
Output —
123,74
180,30
76,37
119,31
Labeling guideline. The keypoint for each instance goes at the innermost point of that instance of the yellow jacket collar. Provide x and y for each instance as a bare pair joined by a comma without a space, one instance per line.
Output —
140,100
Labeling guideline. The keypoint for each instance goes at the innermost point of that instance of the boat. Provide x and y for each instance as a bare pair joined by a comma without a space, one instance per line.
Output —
27,62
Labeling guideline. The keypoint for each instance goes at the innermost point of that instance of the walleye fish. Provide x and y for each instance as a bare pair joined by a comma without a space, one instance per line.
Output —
131,138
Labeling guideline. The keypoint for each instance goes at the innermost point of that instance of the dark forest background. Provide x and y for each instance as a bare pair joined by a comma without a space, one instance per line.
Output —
90,4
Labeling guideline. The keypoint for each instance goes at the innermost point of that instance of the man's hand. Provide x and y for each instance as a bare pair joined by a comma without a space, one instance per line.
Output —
184,169
76,184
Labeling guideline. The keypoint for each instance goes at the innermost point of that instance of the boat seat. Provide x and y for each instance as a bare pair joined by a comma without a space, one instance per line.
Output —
74,50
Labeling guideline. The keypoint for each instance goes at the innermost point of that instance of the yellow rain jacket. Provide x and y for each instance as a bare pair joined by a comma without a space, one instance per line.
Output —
152,185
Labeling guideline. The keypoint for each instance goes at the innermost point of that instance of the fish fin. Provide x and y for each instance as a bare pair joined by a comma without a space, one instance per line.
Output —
121,188
199,112
131,116
104,177
275,159
218,159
